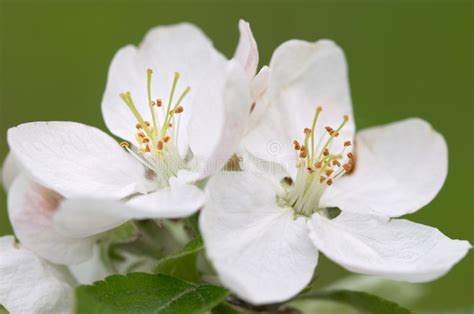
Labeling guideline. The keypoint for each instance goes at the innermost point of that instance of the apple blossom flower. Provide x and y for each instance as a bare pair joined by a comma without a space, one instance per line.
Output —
311,186
181,108
30,284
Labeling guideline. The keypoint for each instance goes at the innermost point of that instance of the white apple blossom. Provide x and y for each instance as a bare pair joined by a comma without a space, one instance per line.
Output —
310,187
181,107
30,284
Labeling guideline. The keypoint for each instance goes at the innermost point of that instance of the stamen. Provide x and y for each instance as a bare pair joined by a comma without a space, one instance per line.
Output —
159,102
347,143
166,138
318,111
329,182
329,172
150,102
124,144
350,156
336,163
321,179
326,152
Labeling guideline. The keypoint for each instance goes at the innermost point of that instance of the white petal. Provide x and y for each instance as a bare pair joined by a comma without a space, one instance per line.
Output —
28,284
179,48
31,208
80,218
220,118
400,167
396,249
10,170
86,217
247,51
179,200
260,251
91,270
75,160
260,97
303,76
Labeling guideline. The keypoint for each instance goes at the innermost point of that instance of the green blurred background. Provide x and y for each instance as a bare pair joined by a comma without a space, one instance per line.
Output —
406,58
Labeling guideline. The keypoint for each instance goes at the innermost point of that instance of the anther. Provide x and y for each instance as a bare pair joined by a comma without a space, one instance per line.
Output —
321,179
336,163
170,125
347,167
166,138
124,144
329,182
319,109
326,152
346,117
347,143
141,134
329,172
146,140
138,126
159,102
147,123
307,131
296,145
179,109
310,170
319,165
329,130
147,148
159,145
303,154
350,156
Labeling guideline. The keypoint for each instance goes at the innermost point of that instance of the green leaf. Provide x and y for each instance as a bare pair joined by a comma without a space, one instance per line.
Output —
3,310
147,293
183,263
363,302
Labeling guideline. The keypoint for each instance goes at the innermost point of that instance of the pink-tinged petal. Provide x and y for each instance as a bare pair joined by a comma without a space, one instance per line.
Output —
247,50
31,208
10,170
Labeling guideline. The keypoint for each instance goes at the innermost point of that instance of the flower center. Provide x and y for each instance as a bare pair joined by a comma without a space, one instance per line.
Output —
158,142
317,166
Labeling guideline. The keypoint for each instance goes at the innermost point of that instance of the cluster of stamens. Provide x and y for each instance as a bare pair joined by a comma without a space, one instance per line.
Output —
318,166
156,139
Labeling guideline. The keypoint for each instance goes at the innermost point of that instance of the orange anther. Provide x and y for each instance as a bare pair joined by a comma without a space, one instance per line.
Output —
179,109
326,152
138,126
319,165
347,167
329,182
350,155
329,129
347,143
321,179
307,131
297,145
160,145
328,172
125,144
159,102
166,138
336,163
